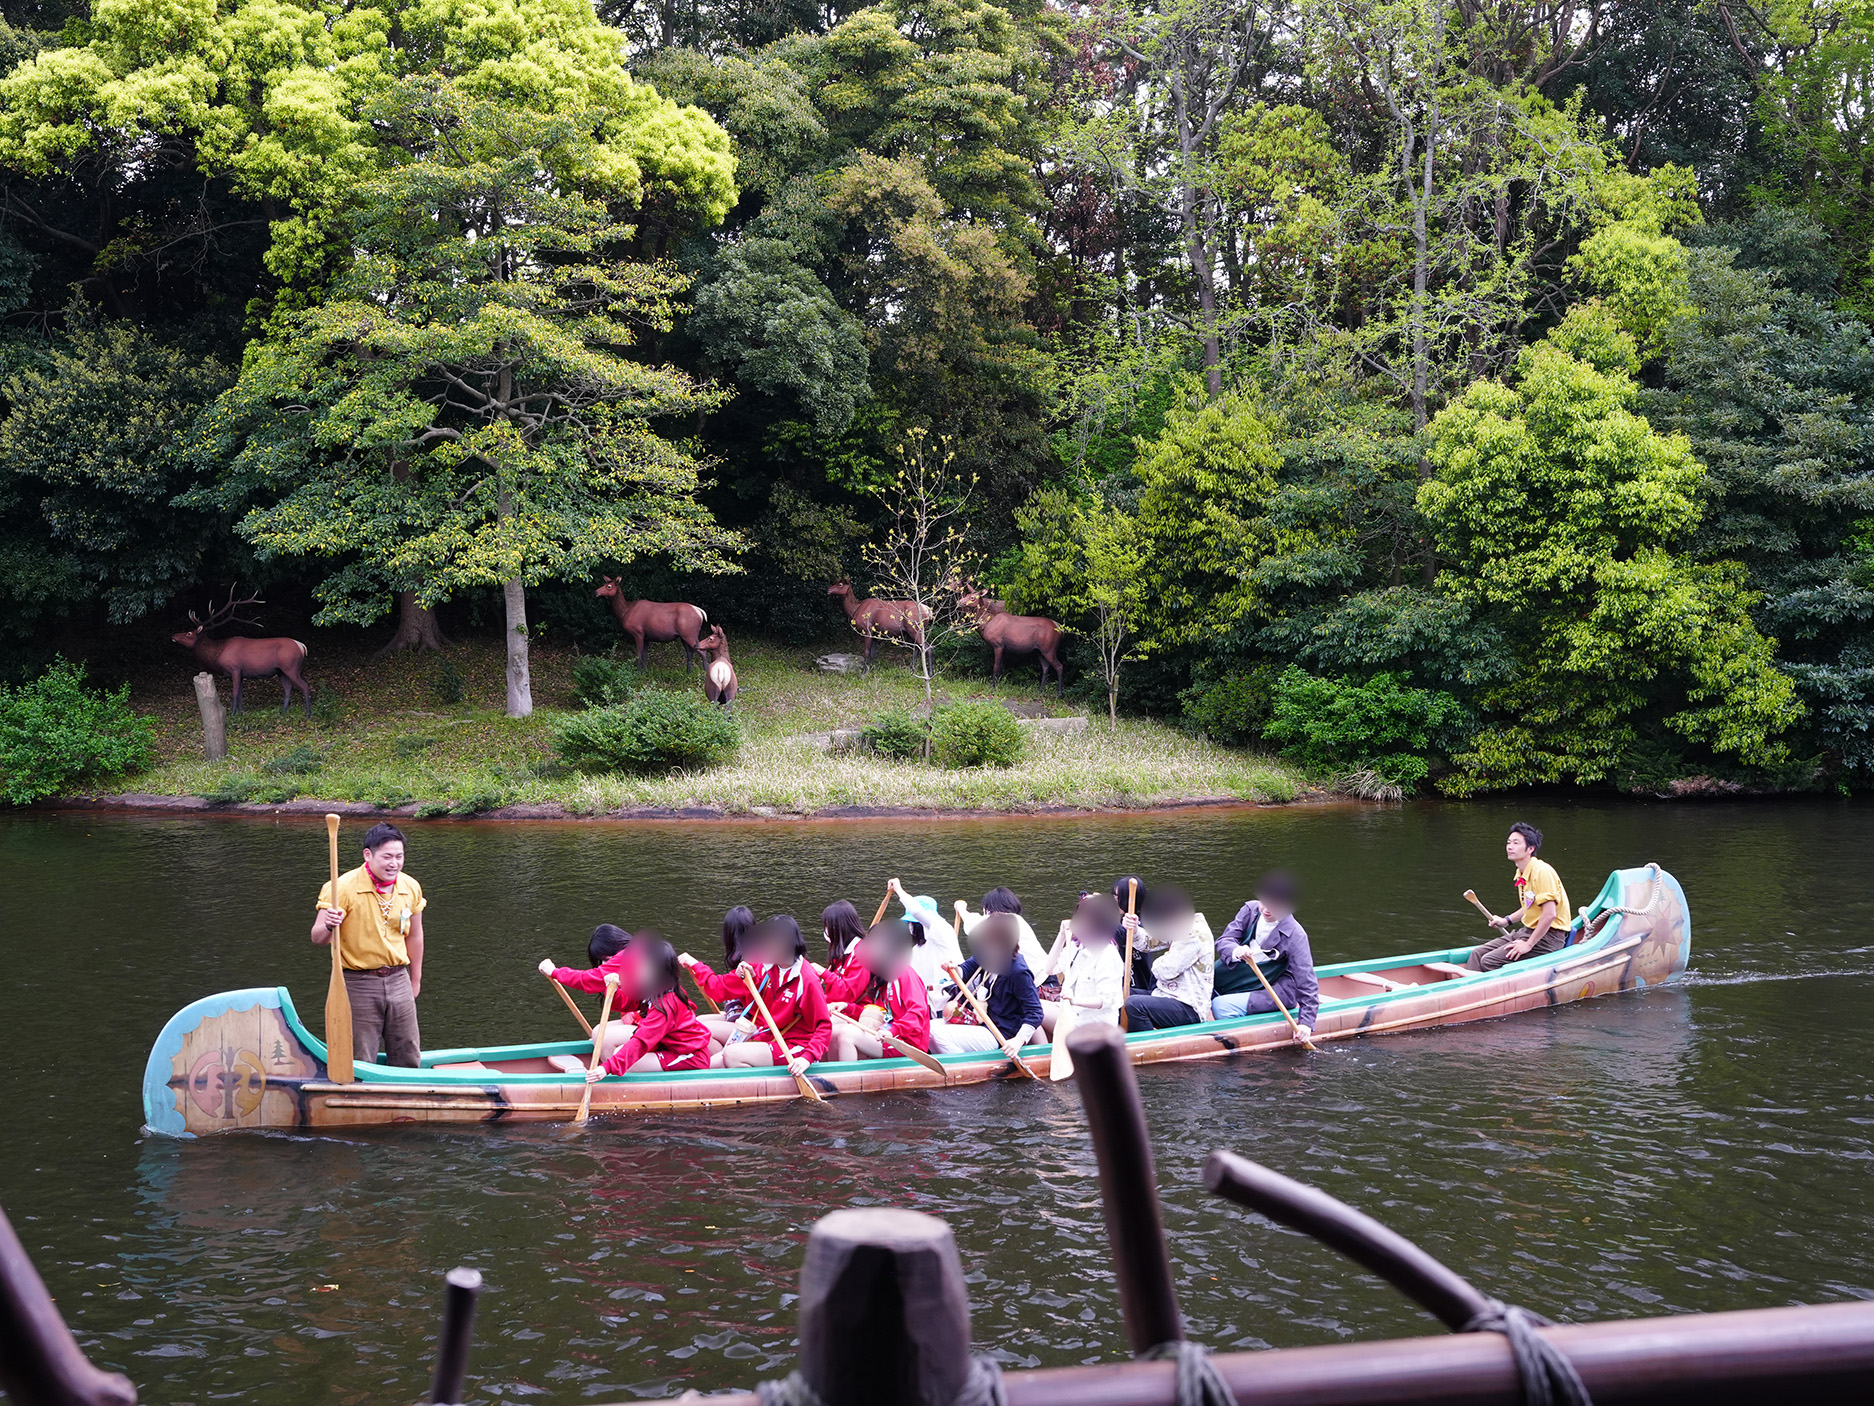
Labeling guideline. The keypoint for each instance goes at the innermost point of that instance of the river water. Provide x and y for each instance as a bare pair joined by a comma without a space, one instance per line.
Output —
1701,1147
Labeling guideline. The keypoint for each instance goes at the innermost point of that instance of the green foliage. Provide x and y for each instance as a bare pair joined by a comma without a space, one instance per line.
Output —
1234,709
411,746
975,734
57,734
602,680
447,684
1382,725
301,761
654,731
896,734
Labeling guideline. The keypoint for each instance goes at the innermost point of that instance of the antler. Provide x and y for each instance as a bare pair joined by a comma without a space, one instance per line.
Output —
224,613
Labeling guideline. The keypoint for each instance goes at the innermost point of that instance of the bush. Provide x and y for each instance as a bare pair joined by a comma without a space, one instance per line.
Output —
447,683
975,734
654,731
301,761
55,733
600,681
1382,726
1232,710
896,734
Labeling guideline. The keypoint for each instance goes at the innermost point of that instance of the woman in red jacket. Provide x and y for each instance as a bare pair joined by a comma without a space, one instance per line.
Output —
661,1032
775,958
609,951
893,997
726,988
844,976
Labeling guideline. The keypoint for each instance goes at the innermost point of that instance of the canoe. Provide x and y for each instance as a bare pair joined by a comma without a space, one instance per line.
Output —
243,1059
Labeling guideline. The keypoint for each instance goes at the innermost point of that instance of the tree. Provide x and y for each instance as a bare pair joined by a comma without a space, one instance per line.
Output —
463,410
922,555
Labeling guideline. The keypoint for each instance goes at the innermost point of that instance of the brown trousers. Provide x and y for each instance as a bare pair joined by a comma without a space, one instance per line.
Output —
383,1012
1494,953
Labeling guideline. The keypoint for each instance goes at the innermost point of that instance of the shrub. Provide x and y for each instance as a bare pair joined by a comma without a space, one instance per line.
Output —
447,682
600,681
975,734
410,746
301,761
896,734
653,731
55,733
1232,710
1382,726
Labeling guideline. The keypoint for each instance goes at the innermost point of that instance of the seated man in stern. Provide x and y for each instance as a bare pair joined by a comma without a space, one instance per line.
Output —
1264,934
1542,908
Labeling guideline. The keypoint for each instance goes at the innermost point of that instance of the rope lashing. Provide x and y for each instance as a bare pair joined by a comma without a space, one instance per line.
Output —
984,1388
1548,1377
1199,1381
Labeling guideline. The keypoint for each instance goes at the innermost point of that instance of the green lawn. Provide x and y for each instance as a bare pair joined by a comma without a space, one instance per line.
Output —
385,732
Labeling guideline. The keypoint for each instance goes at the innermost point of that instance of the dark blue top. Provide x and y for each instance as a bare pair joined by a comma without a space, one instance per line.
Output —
1013,1001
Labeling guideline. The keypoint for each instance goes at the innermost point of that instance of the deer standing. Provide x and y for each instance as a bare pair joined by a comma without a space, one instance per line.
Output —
240,656
719,681
893,619
1016,635
649,622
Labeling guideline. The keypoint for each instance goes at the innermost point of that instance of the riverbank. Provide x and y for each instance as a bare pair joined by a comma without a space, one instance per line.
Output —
424,736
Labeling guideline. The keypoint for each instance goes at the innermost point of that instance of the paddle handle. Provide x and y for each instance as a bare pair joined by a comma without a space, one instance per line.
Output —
1478,904
1132,909
780,1043
883,904
701,994
572,1006
1294,1029
955,973
598,1044
338,1062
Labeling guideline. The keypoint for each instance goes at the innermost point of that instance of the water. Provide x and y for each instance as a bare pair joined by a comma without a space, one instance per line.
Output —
1701,1147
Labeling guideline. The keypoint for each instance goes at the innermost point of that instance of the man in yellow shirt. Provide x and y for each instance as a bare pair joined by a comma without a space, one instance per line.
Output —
378,915
1542,909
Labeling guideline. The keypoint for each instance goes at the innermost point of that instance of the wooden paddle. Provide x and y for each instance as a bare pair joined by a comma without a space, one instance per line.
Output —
1294,1029
801,1081
337,999
1477,903
1132,907
598,1044
955,973
701,994
572,1006
884,903
904,1047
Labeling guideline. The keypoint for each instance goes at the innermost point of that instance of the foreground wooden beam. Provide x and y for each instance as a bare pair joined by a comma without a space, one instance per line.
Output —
1819,1355
41,1363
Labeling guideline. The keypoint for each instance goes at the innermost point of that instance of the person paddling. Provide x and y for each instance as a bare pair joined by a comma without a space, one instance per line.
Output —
775,959
659,1030
1264,931
1004,900
1091,969
845,976
940,947
892,997
725,988
377,913
1181,974
1001,978
1541,909
608,951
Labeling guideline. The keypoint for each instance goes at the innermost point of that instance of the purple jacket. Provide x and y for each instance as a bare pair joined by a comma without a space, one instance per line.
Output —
1286,939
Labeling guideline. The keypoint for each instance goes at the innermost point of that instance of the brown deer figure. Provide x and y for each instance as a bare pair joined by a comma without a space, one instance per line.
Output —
241,657
1016,635
649,622
719,681
891,619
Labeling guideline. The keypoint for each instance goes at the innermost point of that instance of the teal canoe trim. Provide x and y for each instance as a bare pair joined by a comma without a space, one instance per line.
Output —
160,1111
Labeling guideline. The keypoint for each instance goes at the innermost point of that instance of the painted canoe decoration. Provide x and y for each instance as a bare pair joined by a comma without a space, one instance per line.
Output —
242,1059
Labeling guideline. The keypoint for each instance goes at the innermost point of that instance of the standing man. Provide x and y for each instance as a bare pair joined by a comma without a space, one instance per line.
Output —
1264,931
378,915
1542,909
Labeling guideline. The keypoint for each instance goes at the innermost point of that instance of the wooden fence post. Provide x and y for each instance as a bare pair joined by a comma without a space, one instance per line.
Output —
214,717
884,1315
458,1328
41,1363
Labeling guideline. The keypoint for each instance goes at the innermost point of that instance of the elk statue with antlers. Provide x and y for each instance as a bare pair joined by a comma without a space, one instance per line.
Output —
242,657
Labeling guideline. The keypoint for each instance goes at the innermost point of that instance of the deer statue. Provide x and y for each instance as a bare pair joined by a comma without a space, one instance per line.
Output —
719,682
241,657
1015,635
649,622
893,619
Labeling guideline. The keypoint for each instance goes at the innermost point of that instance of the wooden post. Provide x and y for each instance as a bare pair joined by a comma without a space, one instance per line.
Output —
458,1327
214,717
41,1363
1128,1186
884,1315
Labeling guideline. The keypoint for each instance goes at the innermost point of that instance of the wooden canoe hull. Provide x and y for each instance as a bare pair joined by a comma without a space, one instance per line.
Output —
242,1059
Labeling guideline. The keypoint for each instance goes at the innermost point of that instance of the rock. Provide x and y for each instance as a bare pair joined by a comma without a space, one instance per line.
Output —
839,663
845,739
1077,723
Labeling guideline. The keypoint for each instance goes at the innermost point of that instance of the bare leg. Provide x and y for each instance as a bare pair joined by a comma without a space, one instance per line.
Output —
750,1054
720,1027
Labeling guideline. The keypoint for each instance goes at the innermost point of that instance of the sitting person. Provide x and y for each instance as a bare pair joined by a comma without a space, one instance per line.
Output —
774,958
939,948
1181,973
1091,970
844,976
724,987
892,999
1129,893
659,1030
1004,900
609,950
1542,907
1002,981
1265,932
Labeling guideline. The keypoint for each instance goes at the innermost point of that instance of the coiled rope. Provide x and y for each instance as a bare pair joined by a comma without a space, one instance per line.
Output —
1199,1381
1548,1377
984,1388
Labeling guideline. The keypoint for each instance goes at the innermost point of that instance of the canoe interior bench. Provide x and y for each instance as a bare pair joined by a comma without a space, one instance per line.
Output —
1451,969
1385,983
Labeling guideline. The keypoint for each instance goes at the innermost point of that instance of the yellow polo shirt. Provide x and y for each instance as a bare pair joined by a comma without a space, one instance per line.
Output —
371,937
1538,884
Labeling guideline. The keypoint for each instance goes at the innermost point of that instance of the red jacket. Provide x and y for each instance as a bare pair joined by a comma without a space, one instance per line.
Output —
720,989
593,978
846,982
665,1026
797,1002
909,1004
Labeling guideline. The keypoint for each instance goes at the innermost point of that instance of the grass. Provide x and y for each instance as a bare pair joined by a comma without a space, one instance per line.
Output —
385,732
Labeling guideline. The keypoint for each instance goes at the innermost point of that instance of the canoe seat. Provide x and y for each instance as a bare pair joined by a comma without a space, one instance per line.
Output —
567,1064
1451,969
467,1066
1374,979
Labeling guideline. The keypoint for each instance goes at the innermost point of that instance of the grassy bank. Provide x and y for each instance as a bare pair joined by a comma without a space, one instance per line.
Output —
426,731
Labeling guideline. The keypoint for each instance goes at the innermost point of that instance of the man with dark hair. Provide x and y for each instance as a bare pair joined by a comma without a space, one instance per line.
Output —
1265,932
377,914
1541,909
1181,971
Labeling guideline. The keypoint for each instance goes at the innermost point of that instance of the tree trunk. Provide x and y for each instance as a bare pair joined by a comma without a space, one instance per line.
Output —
417,627
1112,704
520,682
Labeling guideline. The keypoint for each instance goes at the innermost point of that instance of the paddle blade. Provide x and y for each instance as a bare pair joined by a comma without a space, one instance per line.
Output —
1062,1065
338,1027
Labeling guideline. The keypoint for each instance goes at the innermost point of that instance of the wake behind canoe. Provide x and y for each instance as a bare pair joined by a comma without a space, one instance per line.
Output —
243,1059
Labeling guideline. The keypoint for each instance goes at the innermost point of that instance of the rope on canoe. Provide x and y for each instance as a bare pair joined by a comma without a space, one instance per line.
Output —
984,1388
1548,1377
1199,1381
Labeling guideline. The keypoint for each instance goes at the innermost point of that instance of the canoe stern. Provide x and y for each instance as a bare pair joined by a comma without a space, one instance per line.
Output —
232,1060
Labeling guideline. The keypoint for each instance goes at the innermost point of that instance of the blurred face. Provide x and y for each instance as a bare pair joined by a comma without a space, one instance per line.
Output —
386,861
1517,848
992,948
1274,907
886,955
646,976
